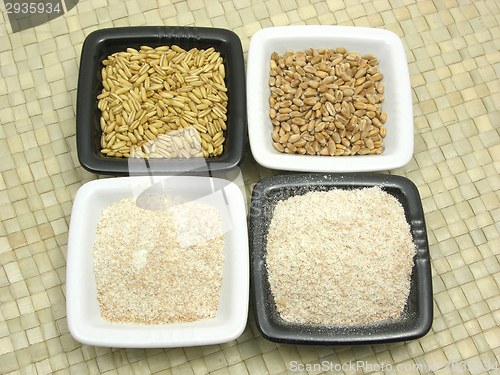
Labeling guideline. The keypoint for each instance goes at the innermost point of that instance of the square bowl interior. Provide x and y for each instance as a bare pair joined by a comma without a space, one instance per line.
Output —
416,318
102,43
384,44
84,316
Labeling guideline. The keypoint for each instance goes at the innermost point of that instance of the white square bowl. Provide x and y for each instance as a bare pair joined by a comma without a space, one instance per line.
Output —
83,312
384,44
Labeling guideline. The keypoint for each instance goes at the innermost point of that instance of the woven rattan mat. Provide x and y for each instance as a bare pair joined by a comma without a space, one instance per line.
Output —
452,47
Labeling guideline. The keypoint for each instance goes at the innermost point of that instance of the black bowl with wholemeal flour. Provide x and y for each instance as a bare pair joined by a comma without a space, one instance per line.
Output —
416,318
103,43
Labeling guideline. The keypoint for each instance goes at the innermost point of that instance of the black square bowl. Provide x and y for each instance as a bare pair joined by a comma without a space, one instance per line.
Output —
416,319
101,43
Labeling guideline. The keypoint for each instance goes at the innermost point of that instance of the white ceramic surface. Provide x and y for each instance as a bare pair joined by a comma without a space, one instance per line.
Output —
84,319
384,44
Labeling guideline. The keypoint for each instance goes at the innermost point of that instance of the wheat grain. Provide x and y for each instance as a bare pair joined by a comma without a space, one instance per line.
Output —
336,89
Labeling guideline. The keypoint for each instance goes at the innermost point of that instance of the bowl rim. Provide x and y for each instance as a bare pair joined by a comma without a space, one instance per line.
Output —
416,324
188,36
268,157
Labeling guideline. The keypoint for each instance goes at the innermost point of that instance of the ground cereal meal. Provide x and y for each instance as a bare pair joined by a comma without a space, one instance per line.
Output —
340,257
158,266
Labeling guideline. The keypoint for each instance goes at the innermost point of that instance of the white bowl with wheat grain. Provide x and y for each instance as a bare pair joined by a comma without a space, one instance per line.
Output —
384,44
85,322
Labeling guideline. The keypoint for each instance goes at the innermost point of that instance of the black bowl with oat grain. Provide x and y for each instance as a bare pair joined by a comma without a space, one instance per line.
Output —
152,101
302,295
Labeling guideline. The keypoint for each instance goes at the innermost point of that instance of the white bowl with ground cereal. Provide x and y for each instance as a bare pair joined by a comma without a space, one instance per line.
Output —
142,276
385,127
